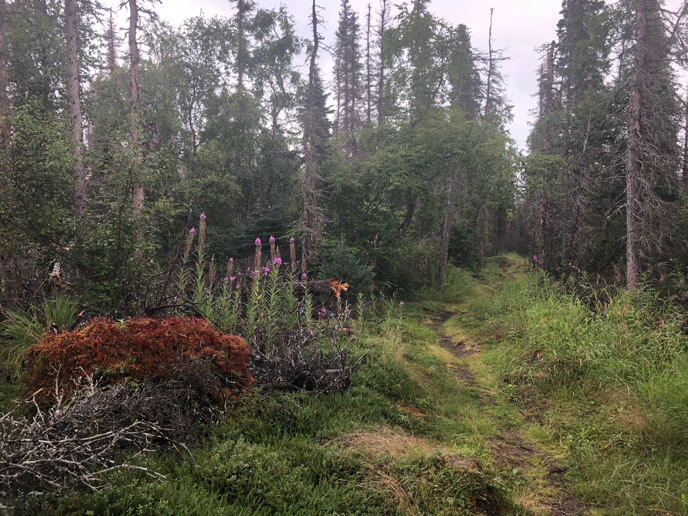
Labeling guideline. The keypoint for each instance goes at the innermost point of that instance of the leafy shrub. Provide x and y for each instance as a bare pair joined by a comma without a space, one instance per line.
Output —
140,349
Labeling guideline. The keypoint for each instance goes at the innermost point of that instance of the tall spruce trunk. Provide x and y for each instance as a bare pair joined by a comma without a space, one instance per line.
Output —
381,72
634,163
139,193
446,232
9,273
685,147
75,120
309,173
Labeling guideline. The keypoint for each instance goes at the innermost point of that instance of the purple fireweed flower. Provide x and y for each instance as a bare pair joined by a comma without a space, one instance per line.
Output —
278,261
203,216
535,258
231,260
232,278
258,242
304,275
272,239
175,299
266,271
192,231
253,273
323,310
401,303
292,239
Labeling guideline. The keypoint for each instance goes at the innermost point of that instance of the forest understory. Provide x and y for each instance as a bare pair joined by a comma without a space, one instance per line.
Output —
468,403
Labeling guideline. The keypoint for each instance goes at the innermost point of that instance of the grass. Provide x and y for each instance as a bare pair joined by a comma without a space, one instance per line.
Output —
597,388
384,446
602,385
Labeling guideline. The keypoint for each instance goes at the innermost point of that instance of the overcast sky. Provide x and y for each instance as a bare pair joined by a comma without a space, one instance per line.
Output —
519,26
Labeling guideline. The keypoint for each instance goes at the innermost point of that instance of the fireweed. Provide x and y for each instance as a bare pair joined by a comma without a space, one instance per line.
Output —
266,303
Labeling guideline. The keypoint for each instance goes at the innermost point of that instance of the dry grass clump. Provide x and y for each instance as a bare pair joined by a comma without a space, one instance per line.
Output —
385,441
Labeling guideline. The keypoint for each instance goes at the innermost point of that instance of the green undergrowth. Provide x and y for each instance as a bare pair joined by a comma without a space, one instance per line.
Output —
603,384
383,446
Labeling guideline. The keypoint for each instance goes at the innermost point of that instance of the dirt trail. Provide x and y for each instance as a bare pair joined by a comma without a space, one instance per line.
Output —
545,478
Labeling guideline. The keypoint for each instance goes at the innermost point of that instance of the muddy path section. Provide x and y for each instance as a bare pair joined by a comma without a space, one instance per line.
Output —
540,481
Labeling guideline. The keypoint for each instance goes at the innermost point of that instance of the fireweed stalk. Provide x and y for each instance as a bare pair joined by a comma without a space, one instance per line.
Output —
289,299
183,276
201,297
254,304
271,320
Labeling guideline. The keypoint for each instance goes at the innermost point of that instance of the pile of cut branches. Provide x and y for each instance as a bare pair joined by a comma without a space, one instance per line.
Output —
83,437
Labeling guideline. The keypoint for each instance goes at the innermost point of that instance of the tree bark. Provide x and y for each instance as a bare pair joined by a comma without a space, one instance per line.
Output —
685,147
381,74
446,233
5,130
75,120
490,71
369,79
634,163
309,173
139,194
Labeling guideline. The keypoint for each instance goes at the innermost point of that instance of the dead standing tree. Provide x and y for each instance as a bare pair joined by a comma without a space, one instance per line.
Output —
652,152
312,213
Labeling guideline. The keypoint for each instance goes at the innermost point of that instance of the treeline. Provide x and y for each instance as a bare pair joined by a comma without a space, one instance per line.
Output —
605,182
111,149
397,163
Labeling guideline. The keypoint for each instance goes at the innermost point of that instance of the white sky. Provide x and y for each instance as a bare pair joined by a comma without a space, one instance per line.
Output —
519,26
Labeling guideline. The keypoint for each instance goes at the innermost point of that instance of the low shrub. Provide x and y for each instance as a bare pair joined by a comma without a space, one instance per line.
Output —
141,349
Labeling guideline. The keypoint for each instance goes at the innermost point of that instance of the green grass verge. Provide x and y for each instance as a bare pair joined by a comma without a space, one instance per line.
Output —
602,384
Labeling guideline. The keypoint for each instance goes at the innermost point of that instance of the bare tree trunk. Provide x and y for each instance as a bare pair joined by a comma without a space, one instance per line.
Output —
309,173
241,51
139,194
490,70
369,77
381,108
8,264
685,147
446,233
5,130
75,120
634,163
542,259
482,224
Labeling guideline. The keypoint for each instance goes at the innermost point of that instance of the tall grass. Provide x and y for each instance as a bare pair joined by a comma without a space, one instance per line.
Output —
22,328
609,375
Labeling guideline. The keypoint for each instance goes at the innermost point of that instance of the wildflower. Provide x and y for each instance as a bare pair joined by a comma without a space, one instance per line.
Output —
203,216
338,287
535,258
401,303
272,239
253,273
231,260
258,242
323,310
266,271
176,298
226,279
304,276
278,261
192,231
232,278
292,239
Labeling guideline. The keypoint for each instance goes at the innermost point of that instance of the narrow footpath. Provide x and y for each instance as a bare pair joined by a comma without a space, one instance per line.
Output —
539,478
